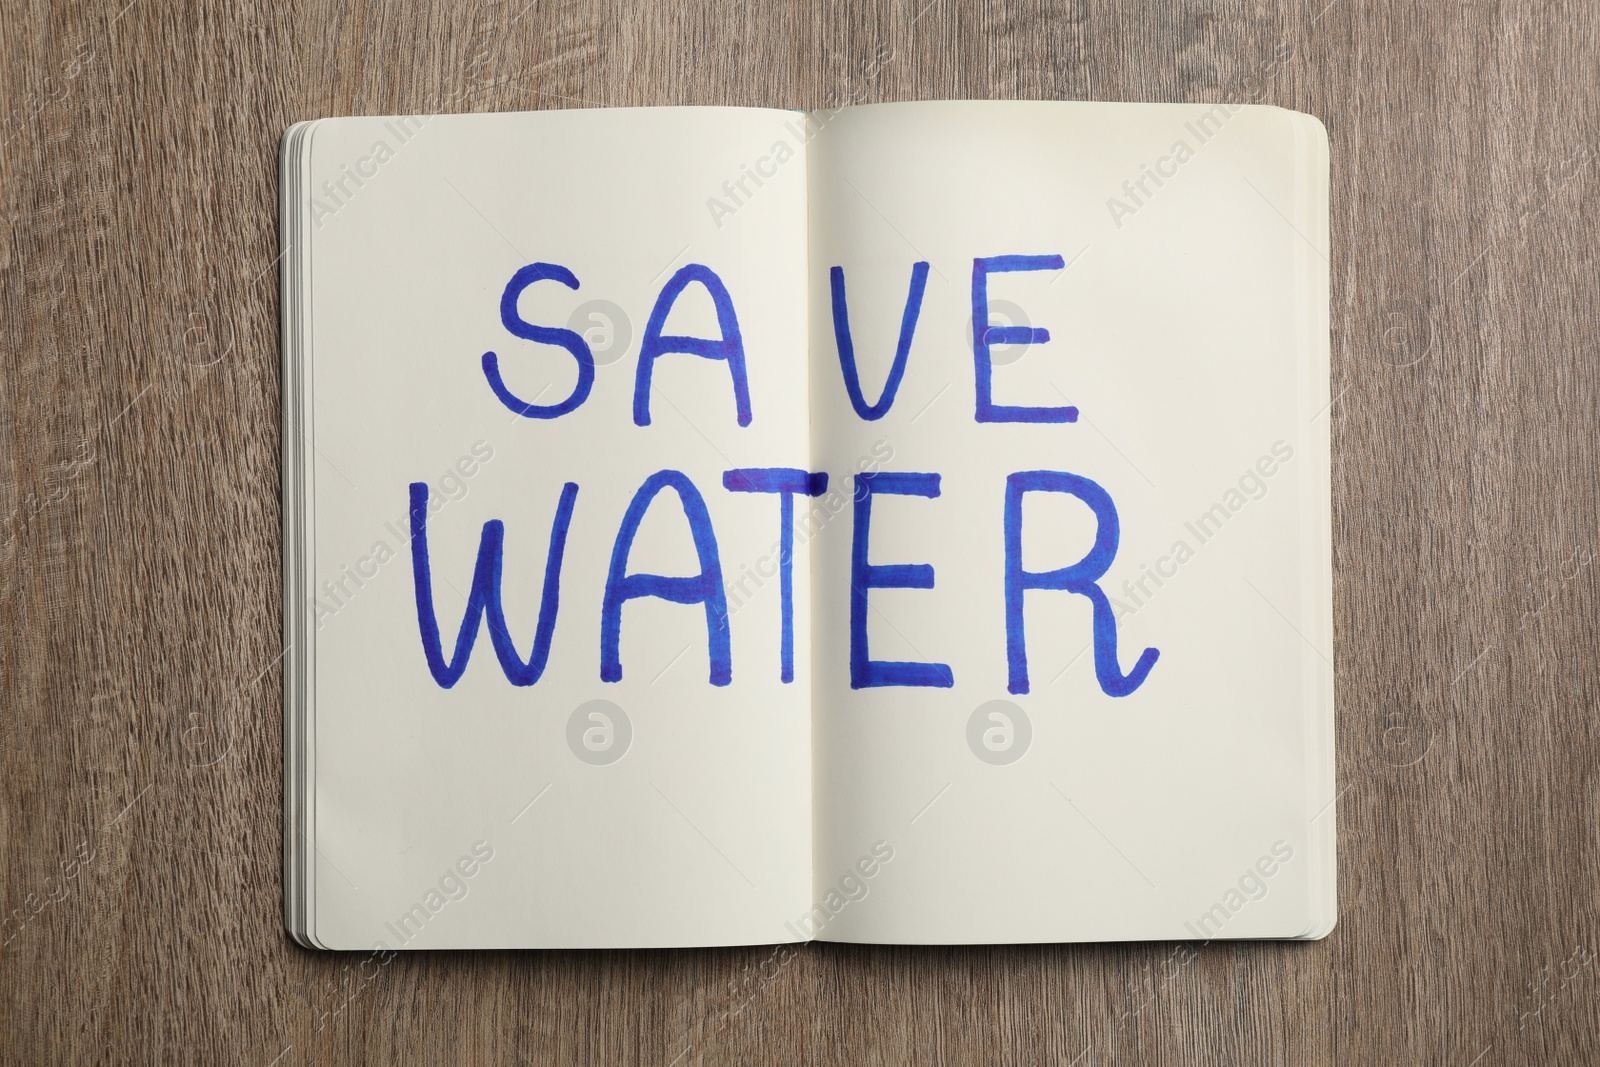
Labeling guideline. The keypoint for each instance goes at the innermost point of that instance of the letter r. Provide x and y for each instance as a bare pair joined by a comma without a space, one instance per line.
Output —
1081,578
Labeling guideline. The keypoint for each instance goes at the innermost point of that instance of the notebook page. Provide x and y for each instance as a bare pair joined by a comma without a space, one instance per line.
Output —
460,806
985,772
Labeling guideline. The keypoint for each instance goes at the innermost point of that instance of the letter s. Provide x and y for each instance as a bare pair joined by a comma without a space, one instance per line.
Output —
518,327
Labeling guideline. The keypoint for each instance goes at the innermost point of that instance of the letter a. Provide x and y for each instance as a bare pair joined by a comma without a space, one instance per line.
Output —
703,588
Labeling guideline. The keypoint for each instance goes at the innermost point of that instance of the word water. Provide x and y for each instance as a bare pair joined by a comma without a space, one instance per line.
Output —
705,588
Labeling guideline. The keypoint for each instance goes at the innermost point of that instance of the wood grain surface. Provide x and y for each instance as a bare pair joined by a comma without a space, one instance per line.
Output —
139,542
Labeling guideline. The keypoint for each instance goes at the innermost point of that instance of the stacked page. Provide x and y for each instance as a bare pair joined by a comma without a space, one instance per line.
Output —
709,526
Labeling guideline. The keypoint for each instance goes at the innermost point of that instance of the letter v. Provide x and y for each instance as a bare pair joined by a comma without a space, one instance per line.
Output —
847,352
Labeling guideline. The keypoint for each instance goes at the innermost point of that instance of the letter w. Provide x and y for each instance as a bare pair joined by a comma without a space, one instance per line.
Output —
485,596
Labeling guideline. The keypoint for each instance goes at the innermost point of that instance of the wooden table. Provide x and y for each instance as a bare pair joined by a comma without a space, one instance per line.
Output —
139,596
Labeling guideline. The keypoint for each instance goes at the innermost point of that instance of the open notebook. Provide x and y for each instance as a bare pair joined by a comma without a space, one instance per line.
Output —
709,526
